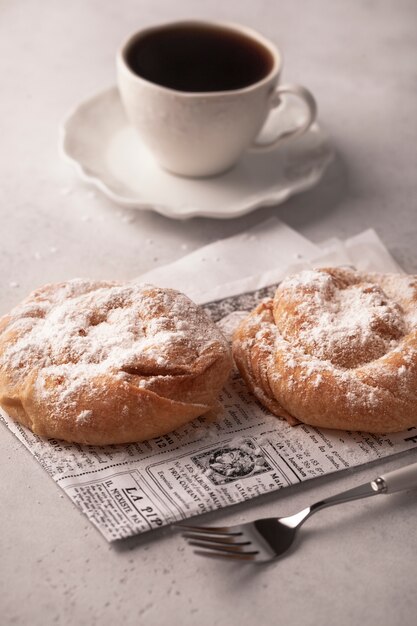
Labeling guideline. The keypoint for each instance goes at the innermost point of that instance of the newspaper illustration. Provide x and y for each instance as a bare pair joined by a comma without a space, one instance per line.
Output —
208,464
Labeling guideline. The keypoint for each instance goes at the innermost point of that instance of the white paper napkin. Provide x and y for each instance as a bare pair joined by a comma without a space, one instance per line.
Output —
269,244
265,255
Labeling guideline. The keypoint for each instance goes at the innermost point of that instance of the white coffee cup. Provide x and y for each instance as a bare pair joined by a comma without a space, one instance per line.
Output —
202,127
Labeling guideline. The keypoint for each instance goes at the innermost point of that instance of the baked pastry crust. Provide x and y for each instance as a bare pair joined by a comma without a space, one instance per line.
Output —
104,362
335,348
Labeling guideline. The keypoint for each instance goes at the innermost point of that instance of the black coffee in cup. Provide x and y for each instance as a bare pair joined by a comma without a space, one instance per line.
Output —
198,58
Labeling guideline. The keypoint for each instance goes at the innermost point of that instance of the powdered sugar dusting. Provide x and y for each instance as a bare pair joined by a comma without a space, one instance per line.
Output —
335,332
84,416
72,334
346,322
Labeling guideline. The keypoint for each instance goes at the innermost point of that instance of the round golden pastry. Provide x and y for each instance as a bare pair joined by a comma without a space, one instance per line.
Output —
105,362
335,348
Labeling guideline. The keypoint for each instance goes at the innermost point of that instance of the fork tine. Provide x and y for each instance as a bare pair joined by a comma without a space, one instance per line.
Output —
214,530
216,539
230,549
211,554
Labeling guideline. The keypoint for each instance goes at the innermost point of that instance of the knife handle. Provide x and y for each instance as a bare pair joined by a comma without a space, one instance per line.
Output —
400,479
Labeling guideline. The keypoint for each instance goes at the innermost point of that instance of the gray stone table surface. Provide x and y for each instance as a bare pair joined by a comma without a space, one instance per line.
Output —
356,564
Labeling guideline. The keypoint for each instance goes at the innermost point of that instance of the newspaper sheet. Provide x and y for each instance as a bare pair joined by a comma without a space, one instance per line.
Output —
208,464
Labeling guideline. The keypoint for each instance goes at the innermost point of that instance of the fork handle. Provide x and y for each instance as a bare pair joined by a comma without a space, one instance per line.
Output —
399,480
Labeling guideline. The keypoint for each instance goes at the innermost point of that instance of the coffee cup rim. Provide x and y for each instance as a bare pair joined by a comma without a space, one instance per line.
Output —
246,30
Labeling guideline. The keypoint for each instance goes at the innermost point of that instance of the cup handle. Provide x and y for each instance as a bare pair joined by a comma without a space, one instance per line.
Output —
311,106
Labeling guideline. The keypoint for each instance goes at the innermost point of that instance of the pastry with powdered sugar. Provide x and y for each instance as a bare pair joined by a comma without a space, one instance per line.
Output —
98,362
335,348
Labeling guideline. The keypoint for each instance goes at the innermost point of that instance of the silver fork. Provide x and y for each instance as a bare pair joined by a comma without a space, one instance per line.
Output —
266,539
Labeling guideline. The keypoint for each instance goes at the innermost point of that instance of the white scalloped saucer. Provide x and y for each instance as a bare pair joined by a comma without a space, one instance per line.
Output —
108,153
